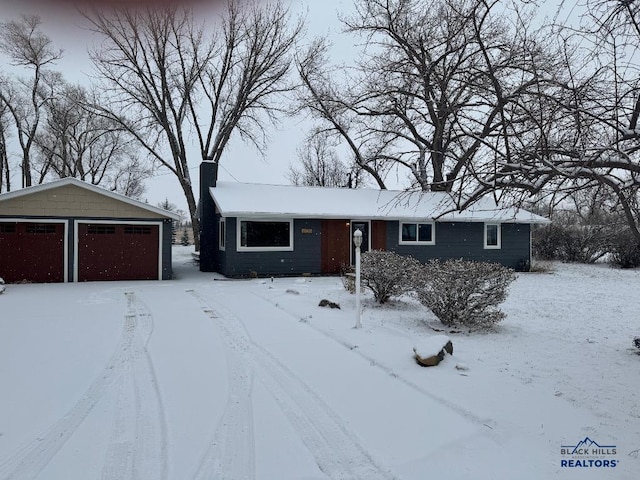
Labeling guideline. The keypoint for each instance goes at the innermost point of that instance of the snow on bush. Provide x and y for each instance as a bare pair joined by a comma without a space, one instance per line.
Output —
348,278
636,342
387,274
461,292
2,287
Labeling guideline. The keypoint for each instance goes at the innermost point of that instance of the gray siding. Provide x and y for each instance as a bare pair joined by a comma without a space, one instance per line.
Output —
466,240
304,259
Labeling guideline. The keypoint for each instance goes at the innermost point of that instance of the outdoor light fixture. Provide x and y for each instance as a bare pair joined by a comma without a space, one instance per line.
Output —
357,241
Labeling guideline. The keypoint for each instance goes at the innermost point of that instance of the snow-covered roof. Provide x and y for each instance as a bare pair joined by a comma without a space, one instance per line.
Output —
87,186
254,200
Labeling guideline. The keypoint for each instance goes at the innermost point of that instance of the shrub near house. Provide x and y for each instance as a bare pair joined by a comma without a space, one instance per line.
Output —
458,292
461,292
388,274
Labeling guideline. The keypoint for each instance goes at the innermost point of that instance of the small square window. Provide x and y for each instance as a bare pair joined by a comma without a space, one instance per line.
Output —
417,233
492,234
409,232
425,231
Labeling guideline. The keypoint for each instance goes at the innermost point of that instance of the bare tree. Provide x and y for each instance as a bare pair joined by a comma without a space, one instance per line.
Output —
586,134
319,165
77,142
435,90
166,74
27,47
5,168
329,103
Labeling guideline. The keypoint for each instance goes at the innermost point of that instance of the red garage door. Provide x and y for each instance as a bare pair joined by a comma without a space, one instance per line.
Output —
32,252
117,252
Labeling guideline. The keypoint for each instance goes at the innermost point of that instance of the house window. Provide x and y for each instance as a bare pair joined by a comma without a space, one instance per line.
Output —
417,233
7,228
221,234
492,235
265,235
41,228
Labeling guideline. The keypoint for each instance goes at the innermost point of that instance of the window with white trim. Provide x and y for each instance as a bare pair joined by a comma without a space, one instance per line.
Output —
222,231
492,236
265,235
417,233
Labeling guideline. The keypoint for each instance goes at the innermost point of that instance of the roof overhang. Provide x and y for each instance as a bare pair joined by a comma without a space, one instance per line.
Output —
282,201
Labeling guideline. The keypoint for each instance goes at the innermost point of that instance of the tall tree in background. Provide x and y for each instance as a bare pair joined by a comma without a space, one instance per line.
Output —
77,142
166,75
5,169
329,103
586,135
436,90
26,46
319,166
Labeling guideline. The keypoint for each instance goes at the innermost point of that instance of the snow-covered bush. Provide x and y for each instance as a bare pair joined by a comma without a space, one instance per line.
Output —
625,250
387,274
2,287
348,278
636,342
571,242
461,292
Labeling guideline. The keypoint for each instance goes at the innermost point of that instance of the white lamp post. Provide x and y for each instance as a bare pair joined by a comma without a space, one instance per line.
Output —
357,241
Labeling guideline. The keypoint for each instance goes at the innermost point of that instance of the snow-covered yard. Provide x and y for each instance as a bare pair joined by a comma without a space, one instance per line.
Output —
197,379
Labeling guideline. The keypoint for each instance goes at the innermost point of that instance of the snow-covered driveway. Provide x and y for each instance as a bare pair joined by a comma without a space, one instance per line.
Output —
197,379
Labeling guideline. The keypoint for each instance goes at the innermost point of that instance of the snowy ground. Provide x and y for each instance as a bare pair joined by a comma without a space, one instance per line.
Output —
199,379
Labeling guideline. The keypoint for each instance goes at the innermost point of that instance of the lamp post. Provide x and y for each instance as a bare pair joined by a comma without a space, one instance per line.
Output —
357,241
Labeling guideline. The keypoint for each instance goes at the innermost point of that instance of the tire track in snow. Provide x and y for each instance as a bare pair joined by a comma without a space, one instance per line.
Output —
231,452
129,375
138,444
31,458
338,452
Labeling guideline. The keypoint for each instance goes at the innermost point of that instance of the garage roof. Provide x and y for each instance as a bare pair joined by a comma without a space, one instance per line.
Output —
65,182
243,199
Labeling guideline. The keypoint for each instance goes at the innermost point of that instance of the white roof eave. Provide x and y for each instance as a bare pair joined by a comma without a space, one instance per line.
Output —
353,205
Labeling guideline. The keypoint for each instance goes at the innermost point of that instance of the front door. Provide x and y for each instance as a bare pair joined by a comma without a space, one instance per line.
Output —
364,228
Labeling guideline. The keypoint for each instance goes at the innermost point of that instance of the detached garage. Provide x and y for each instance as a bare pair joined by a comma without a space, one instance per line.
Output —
70,231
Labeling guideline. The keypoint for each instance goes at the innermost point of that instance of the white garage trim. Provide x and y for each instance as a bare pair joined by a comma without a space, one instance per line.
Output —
116,222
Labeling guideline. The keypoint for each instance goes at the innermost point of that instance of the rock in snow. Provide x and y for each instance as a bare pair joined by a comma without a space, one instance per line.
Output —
432,350
328,303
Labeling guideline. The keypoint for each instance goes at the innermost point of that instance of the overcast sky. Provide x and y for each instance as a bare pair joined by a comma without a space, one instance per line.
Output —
240,163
